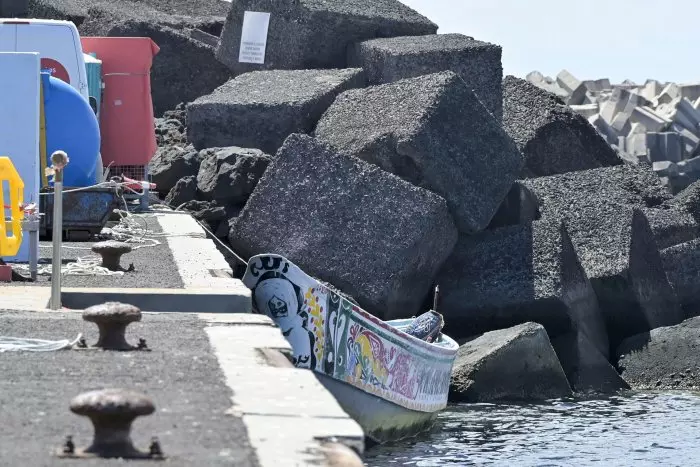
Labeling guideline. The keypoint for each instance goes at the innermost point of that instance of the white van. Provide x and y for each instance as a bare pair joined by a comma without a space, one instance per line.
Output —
57,42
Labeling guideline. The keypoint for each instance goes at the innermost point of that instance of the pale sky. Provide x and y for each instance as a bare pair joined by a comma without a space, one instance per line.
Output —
617,39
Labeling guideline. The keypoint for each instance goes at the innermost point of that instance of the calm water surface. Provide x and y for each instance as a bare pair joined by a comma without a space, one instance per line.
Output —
635,429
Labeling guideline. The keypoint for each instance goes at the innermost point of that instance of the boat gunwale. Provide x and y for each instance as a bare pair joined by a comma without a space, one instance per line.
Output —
401,335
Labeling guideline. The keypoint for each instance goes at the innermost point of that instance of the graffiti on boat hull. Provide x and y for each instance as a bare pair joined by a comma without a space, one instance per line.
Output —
332,336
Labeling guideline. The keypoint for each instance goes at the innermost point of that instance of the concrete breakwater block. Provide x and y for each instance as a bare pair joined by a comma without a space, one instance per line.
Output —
518,274
615,244
672,226
346,222
185,68
519,207
552,137
260,109
307,34
433,132
586,368
665,358
477,63
682,266
515,364
688,200
229,175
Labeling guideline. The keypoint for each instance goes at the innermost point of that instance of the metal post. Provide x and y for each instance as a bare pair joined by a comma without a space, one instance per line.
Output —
33,249
59,160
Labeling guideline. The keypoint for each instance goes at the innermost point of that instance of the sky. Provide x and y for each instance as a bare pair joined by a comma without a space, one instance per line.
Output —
616,39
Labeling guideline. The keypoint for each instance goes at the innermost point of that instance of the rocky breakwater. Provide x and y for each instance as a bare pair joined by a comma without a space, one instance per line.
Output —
406,160
654,122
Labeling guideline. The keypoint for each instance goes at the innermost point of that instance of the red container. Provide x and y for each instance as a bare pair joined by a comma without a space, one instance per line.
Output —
126,119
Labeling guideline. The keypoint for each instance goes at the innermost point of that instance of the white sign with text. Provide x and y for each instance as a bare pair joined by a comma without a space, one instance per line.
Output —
254,37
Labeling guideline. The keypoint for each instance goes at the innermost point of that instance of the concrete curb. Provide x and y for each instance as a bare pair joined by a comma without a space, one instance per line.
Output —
289,415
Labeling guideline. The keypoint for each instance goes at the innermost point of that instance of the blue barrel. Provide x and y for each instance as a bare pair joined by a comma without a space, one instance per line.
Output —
71,126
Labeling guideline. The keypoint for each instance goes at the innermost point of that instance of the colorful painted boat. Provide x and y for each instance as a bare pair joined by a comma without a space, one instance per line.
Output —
393,384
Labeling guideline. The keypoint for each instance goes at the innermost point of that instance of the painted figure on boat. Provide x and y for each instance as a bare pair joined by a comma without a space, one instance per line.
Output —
279,299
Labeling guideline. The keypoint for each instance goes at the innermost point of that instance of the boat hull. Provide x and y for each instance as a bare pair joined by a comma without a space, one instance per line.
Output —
393,384
381,420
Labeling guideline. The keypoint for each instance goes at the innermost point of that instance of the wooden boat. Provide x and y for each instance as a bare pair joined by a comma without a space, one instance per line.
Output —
392,383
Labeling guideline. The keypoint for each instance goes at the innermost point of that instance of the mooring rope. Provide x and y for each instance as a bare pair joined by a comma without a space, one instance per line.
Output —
15,344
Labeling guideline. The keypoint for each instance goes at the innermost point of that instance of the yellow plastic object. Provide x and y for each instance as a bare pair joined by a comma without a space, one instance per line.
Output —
10,231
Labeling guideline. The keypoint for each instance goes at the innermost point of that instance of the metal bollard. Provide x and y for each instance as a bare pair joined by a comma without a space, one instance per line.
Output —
59,160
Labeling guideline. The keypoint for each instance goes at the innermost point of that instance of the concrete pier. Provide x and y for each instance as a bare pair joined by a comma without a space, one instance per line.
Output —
224,390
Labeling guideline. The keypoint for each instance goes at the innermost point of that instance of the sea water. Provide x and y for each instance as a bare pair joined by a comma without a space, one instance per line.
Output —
630,429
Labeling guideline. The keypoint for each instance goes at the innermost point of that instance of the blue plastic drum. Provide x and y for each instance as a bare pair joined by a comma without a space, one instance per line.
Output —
71,126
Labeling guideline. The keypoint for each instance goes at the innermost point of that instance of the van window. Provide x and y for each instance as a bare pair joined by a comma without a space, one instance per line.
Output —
56,45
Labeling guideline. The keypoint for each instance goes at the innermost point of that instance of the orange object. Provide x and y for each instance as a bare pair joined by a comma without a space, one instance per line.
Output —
126,118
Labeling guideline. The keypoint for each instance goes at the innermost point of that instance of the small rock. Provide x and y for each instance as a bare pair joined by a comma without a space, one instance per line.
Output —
184,190
229,175
171,164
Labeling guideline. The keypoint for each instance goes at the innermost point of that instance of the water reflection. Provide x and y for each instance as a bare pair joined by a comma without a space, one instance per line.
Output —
636,429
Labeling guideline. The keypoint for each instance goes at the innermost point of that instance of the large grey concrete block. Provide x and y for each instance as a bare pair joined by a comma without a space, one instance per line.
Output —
518,274
688,200
668,94
14,8
306,34
349,223
682,265
184,68
477,63
515,364
672,226
586,368
552,138
648,118
433,132
576,88
585,110
603,128
665,358
520,206
260,109
613,239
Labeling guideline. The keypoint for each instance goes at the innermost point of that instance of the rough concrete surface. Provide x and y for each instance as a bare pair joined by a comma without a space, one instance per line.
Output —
586,368
477,63
552,138
512,364
665,358
185,68
367,232
682,265
154,266
433,132
613,239
672,226
518,274
309,34
260,109
520,206
192,421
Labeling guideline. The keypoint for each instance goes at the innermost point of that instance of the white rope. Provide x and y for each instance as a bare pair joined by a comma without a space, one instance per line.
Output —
15,344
